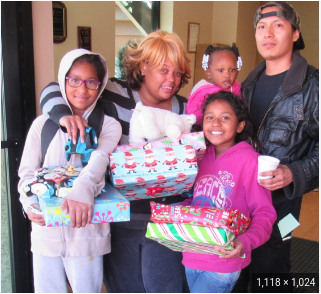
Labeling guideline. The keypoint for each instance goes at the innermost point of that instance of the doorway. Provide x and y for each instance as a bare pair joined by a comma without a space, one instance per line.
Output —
18,110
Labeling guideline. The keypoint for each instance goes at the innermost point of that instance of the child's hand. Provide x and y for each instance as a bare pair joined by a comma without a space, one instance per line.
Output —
34,217
72,123
80,213
236,252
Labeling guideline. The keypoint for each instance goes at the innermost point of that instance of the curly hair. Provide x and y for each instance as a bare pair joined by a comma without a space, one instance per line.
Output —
154,49
241,111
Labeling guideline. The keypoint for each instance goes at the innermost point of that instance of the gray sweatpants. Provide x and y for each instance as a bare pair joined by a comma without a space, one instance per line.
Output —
85,274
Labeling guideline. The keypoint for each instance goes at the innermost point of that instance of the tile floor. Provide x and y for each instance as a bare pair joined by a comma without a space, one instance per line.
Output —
309,221
309,218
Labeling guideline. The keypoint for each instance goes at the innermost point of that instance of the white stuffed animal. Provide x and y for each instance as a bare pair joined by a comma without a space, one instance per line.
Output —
154,123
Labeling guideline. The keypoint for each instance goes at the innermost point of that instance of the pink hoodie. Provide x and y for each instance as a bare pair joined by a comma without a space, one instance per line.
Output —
197,96
230,181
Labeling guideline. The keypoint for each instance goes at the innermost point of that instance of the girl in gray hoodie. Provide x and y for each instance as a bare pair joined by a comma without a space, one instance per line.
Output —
75,250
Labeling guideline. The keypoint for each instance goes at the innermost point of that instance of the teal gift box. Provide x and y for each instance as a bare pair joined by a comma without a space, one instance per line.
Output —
152,173
110,206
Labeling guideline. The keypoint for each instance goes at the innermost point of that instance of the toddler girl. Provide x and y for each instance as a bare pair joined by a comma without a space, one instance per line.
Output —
76,250
221,65
227,178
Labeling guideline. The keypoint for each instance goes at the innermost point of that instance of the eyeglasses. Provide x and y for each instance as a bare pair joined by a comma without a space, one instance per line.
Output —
76,83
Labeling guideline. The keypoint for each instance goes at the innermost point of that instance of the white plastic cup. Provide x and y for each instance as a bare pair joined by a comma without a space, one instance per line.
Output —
266,163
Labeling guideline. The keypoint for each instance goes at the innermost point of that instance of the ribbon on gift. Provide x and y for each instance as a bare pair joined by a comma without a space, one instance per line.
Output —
230,219
70,169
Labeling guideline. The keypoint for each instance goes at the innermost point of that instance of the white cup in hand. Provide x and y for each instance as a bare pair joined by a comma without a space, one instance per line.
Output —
266,163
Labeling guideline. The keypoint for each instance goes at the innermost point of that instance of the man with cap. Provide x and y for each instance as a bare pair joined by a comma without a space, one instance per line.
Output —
283,99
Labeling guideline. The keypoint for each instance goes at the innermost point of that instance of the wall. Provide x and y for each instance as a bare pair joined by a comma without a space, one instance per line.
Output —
309,14
184,12
166,16
245,38
100,16
224,21
43,46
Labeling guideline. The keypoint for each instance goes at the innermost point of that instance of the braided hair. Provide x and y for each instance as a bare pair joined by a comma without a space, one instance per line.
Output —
210,49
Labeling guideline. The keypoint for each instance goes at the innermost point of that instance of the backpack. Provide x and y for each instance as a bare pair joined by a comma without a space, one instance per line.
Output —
95,121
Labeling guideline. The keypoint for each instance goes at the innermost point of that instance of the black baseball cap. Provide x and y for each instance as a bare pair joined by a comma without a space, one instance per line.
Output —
285,11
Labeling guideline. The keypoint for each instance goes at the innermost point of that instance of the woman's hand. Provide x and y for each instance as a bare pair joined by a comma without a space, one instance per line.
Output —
35,217
72,123
80,213
236,252
282,177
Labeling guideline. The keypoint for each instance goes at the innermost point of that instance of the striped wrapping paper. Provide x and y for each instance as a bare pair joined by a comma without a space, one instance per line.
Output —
189,238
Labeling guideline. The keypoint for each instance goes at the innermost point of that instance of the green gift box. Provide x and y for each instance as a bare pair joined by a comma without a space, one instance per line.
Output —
189,238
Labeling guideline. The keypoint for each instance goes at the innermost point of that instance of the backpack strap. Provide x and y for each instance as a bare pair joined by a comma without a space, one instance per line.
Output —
48,131
96,118
109,109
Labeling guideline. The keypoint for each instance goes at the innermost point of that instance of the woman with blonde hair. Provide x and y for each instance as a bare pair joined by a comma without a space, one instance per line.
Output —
156,69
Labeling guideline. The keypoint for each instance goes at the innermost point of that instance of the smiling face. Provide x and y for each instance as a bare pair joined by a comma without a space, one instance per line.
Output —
220,126
275,36
160,83
222,69
81,98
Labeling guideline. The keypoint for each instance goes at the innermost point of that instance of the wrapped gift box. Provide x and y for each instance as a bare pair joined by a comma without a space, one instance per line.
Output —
109,206
52,181
189,238
230,219
196,139
153,173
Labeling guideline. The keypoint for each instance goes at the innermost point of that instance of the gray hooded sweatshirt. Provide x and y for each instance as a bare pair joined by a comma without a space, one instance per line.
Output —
93,239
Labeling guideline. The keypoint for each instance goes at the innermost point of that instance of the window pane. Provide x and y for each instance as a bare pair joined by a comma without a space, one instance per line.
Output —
146,13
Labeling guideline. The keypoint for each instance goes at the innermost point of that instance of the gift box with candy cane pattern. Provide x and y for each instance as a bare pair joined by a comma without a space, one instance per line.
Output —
151,173
189,238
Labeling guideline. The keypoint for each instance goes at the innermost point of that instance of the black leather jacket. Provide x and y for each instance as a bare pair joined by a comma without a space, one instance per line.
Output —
290,128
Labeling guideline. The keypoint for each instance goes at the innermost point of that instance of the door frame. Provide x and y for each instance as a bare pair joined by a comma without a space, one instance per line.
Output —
19,91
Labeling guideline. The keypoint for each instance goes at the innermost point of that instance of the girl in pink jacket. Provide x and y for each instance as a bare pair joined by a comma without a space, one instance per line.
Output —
227,179
221,65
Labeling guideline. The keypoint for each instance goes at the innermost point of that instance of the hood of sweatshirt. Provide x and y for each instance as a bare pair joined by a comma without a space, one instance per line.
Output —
64,67
239,146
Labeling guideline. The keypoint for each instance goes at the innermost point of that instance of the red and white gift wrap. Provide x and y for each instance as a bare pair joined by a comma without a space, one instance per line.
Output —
193,155
144,174
230,219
